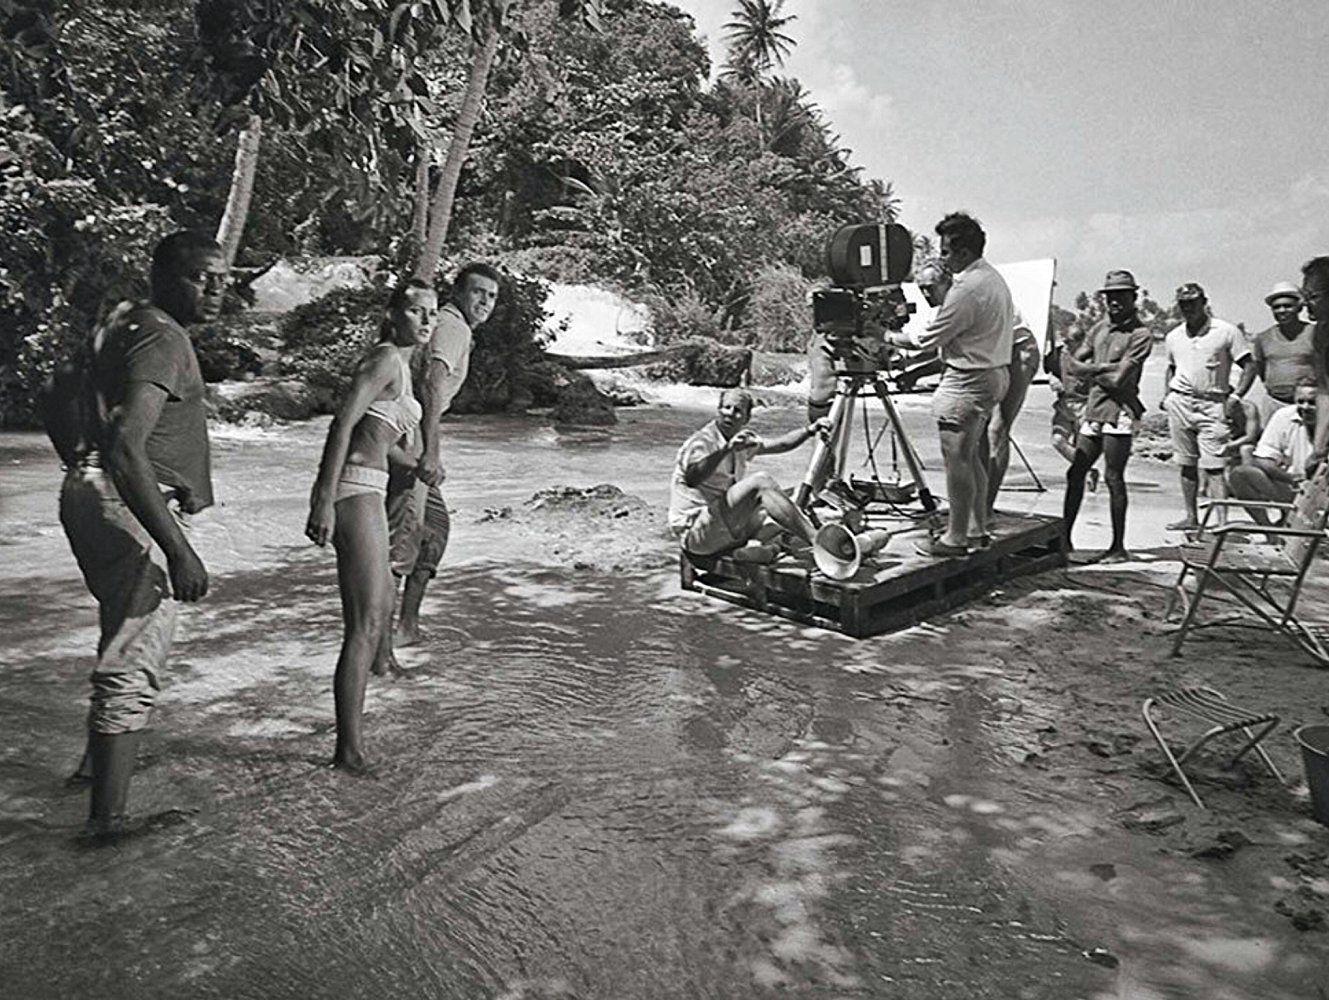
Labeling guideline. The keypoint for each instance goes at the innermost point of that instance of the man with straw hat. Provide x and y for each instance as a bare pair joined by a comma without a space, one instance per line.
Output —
1284,354
1110,358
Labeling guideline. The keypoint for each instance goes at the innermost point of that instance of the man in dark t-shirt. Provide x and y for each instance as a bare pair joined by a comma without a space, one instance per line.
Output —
126,497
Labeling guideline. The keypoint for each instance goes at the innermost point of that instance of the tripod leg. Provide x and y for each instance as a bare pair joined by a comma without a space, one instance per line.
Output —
1038,483
925,496
827,451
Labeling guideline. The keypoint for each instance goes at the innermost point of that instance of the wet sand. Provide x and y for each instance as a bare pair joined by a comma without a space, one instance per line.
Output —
595,785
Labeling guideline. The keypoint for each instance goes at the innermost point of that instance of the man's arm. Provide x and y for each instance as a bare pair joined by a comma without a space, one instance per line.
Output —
790,441
429,468
1247,375
696,470
126,459
953,318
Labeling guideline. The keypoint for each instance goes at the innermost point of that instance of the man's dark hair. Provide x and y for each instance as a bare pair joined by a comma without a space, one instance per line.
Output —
476,267
172,252
964,231
1316,267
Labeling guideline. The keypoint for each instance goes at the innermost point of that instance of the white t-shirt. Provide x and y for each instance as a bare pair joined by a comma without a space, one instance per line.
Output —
1204,362
686,502
451,344
1287,441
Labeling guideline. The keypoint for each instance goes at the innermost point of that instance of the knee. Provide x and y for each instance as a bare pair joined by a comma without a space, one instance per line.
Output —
122,702
1115,478
763,482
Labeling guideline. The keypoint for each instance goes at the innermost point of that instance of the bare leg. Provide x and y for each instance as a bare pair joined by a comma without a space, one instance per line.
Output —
408,622
1116,452
367,591
959,452
1086,454
112,769
1190,488
1215,488
761,488
978,522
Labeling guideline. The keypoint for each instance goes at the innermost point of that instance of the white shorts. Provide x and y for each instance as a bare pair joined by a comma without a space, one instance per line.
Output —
1099,428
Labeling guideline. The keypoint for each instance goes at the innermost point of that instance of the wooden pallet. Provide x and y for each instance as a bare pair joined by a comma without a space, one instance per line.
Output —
897,589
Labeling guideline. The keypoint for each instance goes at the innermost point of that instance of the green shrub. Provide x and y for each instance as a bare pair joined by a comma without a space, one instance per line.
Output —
684,315
324,340
778,317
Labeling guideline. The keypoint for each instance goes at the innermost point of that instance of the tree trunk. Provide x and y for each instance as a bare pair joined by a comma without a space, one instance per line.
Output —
440,212
232,225
420,203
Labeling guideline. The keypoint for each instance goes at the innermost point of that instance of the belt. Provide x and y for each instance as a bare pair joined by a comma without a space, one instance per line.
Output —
1213,397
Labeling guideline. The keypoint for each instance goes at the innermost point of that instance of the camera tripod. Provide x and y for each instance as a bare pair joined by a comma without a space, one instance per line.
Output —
827,467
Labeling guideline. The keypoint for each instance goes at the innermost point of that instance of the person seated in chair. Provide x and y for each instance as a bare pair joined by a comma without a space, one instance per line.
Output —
715,504
1278,466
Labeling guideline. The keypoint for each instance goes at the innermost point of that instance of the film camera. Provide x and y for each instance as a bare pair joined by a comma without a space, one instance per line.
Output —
867,262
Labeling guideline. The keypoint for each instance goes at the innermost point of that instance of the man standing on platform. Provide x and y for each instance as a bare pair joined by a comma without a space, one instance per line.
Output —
1200,354
1285,353
1110,358
973,330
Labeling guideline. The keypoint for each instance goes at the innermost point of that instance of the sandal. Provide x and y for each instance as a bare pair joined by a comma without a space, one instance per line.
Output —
935,548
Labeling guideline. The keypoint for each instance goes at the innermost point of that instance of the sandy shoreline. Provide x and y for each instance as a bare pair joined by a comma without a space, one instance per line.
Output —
580,729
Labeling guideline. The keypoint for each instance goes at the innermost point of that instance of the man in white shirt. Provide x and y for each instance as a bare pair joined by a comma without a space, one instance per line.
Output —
715,504
418,520
1278,466
1200,354
974,331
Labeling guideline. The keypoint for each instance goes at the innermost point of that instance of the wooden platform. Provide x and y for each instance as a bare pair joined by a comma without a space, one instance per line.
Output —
894,590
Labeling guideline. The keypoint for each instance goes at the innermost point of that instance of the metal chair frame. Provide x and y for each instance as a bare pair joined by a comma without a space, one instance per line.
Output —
1252,586
1211,706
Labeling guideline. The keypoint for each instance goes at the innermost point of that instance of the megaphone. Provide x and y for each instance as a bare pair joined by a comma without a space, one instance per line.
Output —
839,553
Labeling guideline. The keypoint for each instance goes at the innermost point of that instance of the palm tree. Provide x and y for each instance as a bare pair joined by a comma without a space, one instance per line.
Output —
756,43
886,200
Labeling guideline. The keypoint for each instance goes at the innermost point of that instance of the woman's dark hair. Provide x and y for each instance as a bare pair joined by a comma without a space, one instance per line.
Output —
398,299
964,231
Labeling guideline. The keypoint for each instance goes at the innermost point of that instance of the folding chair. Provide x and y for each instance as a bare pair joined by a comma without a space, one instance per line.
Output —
1211,706
1248,569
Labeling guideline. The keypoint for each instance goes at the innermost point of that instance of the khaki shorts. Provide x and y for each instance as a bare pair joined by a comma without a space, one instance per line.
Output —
126,572
418,525
709,533
966,397
1199,431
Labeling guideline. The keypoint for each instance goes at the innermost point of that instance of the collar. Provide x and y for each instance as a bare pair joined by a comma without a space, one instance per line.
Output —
1131,322
1208,323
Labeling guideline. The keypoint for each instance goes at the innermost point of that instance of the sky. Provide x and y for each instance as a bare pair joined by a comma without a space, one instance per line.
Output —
1184,140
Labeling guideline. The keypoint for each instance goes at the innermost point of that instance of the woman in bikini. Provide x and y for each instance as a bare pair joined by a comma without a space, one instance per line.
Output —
378,417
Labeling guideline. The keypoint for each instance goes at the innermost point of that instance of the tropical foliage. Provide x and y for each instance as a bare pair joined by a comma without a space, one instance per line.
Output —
573,139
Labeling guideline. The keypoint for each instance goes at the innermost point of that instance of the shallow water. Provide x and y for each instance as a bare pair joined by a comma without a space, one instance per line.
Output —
592,785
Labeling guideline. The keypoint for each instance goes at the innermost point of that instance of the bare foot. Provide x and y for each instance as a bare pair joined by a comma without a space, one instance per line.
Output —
353,764
1116,556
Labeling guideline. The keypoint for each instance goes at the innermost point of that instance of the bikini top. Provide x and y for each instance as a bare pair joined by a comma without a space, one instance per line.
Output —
402,413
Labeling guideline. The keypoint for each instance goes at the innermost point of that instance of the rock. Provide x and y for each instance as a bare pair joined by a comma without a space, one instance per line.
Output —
1227,843
1103,957
1106,872
581,404
1304,918
620,393
705,363
778,369
284,399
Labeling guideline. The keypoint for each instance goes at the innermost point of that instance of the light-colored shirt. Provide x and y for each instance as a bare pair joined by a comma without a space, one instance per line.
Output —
1203,363
450,344
1286,362
686,502
1021,331
974,328
1287,441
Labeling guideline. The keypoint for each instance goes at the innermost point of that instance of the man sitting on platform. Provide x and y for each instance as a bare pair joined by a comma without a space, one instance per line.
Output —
715,505
1279,464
